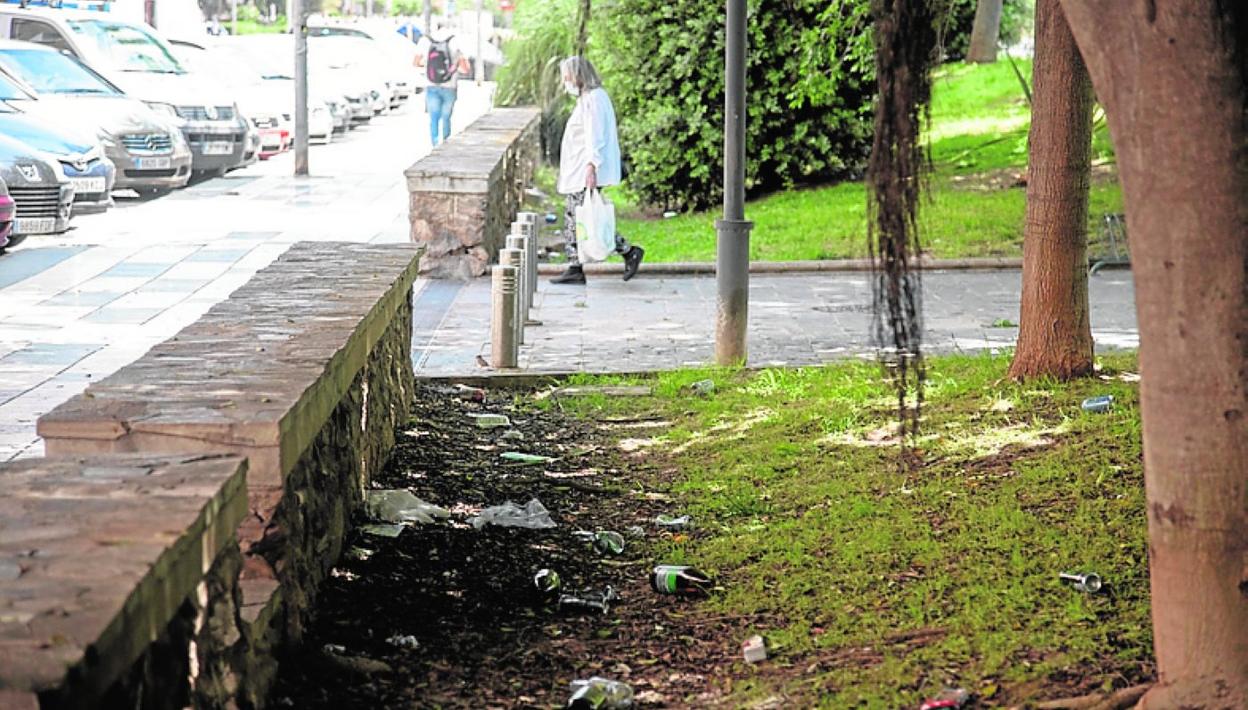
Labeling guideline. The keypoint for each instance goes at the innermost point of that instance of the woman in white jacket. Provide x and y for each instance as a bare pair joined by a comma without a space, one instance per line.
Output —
589,159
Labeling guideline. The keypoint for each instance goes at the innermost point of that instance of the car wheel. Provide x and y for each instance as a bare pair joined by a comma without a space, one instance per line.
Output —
14,240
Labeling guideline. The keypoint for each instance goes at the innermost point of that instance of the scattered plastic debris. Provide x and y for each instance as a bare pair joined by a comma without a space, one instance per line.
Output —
605,541
383,529
1098,405
359,554
517,457
600,694
551,218
635,530
512,435
333,648
669,214
408,641
547,582
471,394
509,515
400,506
679,579
754,649
589,599
949,698
1090,582
490,421
672,522
702,387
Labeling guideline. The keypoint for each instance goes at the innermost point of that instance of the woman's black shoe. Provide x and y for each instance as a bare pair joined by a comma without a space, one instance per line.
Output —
573,275
632,261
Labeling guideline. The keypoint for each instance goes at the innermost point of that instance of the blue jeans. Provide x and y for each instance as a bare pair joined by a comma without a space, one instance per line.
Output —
439,101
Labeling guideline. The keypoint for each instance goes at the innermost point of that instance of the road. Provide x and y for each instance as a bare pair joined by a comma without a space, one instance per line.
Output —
76,307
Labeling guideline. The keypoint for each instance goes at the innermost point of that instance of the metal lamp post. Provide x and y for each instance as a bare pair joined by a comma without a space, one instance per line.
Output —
732,251
301,87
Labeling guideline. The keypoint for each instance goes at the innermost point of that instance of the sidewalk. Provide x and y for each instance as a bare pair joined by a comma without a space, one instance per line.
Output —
659,322
77,307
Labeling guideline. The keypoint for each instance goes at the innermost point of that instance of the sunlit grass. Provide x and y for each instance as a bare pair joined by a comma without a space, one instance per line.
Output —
824,546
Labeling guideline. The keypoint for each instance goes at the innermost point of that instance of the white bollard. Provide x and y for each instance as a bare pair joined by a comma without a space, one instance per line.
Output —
512,258
529,220
505,349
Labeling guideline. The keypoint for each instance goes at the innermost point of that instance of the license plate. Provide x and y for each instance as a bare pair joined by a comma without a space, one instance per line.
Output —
34,225
88,185
153,163
218,148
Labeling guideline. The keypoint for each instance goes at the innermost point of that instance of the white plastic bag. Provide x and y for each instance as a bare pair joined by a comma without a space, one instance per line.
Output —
509,515
595,228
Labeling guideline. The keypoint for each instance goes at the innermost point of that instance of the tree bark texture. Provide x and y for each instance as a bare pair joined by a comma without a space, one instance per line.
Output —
985,31
1055,336
1172,76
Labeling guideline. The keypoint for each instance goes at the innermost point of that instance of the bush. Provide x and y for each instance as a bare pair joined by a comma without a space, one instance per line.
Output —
809,83
544,36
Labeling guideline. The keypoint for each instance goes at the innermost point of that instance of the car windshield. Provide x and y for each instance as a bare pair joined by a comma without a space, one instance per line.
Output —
10,91
272,59
50,72
129,47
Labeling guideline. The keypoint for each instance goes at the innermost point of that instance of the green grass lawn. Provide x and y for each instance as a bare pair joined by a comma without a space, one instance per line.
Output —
875,587
979,129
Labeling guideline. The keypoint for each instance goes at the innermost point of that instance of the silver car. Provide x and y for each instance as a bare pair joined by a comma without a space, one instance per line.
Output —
43,194
150,153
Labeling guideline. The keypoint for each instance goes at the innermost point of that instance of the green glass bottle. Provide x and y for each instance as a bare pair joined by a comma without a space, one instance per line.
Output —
679,579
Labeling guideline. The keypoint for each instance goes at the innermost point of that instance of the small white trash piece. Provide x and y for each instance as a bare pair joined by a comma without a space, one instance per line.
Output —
754,649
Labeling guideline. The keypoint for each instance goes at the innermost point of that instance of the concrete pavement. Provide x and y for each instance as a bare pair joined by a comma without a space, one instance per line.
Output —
659,321
76,307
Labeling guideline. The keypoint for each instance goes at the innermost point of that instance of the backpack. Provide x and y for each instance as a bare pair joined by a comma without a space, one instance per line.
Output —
438,65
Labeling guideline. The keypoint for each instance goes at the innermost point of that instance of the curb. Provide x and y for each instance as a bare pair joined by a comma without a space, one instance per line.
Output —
794,267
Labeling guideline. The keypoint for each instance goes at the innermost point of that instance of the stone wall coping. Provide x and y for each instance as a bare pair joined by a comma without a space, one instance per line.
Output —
470,160
96,557
259,373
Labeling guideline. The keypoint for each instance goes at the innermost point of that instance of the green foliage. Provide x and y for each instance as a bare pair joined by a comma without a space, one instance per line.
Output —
545,32
884,585
978,131
809,84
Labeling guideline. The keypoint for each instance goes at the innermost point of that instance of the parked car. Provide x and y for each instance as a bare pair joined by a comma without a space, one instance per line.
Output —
360,60
78,152
392,54
43,195
133,57
7,209
267,101
150,153
273,57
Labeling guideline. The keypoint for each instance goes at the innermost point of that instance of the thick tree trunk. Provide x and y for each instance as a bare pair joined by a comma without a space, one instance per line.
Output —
985,31
1172,77
1055,337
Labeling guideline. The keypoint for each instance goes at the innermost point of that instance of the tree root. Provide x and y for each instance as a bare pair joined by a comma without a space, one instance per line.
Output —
1118,700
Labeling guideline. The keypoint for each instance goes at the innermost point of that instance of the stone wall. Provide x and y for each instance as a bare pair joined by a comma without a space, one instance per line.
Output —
107,566
466,192
306,371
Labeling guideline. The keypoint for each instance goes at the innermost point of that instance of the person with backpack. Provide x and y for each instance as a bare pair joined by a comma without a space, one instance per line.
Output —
589,159
441,63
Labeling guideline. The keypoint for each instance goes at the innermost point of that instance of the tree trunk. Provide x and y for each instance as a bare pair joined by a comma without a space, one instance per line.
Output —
1054,336
985,31
1172,77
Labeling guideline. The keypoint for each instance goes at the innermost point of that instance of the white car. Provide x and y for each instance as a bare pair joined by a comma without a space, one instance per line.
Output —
132,56
267,100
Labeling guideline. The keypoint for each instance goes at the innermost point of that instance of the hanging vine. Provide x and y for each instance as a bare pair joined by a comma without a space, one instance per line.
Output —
906,43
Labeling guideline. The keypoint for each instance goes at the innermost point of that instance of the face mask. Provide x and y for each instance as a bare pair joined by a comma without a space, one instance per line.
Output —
571,88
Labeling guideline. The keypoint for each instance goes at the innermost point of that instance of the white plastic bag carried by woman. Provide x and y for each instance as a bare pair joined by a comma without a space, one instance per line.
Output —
595,228
590,160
